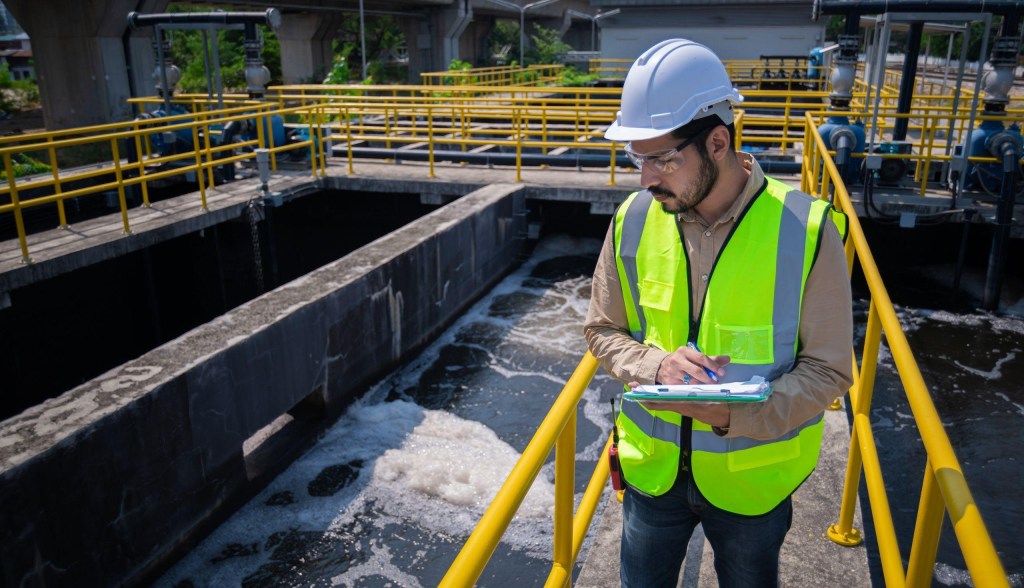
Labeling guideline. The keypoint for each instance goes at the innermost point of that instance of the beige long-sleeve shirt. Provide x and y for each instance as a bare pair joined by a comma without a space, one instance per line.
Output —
823,369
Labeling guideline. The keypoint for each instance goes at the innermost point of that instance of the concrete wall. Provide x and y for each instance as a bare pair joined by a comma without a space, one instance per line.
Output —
731,32
108,482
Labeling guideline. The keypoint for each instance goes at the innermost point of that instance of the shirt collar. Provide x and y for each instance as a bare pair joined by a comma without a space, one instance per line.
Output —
750,190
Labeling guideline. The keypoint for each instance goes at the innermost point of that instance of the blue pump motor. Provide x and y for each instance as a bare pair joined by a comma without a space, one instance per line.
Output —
815,61
987,176
840,126
172,142
275,129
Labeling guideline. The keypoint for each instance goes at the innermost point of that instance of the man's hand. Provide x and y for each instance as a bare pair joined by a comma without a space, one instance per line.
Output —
684,366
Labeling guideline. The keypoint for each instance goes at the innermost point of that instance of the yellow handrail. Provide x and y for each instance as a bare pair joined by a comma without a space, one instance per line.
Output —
201,160
943,469
559,426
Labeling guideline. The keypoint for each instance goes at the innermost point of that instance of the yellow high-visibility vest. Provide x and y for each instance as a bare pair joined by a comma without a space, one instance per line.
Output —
751,312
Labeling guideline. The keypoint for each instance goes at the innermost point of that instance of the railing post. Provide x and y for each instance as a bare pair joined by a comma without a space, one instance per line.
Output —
199,165
324,142
116,156
843,532
348,140
141,165
926,531
611,179
565,482
519,144
19,222
207,148
430,140
56,183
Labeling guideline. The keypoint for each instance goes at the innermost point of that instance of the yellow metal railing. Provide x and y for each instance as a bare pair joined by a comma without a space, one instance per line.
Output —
557,431
944,490
116,173
505,75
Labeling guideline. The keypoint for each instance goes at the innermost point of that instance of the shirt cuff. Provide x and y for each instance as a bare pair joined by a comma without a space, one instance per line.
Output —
648,369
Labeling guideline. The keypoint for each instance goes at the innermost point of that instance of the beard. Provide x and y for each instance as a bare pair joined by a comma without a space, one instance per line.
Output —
707,176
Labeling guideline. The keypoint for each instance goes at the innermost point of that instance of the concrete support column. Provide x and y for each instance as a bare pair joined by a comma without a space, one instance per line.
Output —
417,41
306,46
79,49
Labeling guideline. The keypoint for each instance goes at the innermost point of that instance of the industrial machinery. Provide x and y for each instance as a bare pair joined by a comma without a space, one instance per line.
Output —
167,75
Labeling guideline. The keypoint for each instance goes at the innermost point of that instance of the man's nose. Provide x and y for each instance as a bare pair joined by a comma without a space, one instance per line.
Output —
649,176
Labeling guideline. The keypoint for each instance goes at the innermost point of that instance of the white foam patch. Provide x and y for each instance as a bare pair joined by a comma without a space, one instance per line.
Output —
458,461
995,373
428,468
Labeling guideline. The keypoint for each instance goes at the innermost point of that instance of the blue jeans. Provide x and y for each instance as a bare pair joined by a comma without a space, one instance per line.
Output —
656,530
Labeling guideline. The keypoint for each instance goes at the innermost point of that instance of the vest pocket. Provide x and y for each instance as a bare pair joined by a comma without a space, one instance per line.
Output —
656,295
746,343
762,455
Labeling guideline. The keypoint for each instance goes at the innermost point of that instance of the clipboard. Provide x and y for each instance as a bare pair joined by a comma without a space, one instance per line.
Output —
756,389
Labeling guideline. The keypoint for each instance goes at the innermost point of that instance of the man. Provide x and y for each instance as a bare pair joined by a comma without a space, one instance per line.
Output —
753,273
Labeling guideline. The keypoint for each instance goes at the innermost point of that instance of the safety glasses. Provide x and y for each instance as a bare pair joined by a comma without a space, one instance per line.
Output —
665,161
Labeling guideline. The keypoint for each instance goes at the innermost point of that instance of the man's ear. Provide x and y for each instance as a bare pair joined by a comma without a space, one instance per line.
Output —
718,143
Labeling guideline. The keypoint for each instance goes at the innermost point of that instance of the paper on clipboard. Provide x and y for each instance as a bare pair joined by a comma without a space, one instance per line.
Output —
756,389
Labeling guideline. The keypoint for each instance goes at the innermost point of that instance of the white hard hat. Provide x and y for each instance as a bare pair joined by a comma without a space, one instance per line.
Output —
671,84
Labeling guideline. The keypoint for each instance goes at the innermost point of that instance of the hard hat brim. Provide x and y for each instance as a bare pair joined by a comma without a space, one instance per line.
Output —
723,109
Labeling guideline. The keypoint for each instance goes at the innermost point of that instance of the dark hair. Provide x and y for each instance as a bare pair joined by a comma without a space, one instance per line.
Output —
701,125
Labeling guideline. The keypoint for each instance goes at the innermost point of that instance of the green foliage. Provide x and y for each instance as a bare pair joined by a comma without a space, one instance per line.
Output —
187,53
25,166
570,76
834,27
340,72
939,44
383,38
457,65
16,94
503,43
547,47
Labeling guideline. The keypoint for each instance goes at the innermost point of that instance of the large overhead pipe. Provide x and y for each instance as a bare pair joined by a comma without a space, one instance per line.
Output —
270,17
880,6
256,74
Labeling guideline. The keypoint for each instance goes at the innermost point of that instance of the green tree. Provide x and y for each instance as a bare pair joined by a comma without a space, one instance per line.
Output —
503,42
187,53
547,47
383,40
16,94
940,43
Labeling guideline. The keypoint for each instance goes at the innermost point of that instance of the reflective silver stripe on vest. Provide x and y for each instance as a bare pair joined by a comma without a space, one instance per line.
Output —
789,277
648,423
711,443
632,229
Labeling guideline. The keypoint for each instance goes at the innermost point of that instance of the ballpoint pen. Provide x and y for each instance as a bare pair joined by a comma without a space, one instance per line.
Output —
710,372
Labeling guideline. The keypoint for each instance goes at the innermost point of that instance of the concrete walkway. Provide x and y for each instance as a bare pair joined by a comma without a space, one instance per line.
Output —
809,558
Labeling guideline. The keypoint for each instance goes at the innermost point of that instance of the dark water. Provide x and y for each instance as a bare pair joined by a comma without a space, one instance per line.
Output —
394,488
390,494
971,364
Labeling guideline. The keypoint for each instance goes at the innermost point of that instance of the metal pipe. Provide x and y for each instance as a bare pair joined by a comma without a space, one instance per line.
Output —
882,60
899,131
362,39
964,41
974,103
271,17
883,6
565,160
1004,221
165,93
